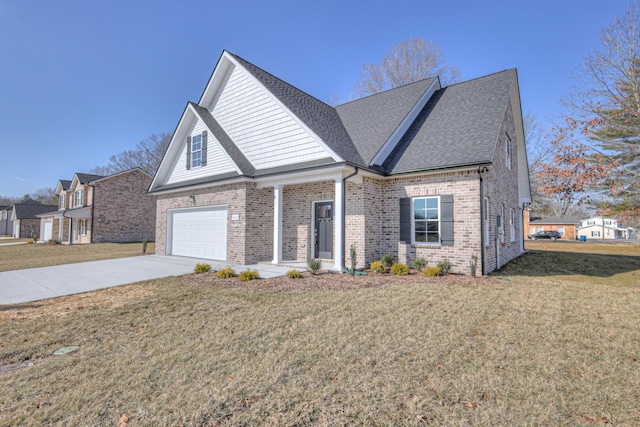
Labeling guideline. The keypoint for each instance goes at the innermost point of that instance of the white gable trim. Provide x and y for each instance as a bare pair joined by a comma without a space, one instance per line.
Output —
275,99
402,128
524,186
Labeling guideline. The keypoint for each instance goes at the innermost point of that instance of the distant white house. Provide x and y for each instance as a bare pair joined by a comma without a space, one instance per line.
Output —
599,227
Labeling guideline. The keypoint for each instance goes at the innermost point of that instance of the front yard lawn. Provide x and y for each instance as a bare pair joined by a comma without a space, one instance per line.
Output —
18,257
516,348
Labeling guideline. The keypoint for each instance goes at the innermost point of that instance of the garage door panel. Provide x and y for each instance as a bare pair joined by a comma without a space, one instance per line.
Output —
200,233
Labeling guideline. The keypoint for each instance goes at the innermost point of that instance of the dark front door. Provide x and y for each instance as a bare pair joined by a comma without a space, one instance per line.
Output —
324,230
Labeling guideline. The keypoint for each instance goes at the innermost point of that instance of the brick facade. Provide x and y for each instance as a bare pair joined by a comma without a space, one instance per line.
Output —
122,211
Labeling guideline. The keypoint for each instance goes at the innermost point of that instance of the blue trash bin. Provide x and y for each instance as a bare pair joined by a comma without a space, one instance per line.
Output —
583,238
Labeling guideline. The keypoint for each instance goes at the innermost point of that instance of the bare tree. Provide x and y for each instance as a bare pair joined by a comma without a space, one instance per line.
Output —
407,62
608,105
45,195
147,156
8,201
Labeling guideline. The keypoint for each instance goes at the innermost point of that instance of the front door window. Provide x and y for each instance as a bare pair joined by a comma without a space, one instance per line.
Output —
323,230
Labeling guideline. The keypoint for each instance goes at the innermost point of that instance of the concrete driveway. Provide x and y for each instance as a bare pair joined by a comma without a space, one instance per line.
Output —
49,282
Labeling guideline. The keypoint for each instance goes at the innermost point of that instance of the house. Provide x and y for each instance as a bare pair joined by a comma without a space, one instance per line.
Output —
566,226
97,209
599,227
26,224
259,170
6,225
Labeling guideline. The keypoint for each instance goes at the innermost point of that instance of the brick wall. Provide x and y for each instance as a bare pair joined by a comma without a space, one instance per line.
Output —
249,238
122,210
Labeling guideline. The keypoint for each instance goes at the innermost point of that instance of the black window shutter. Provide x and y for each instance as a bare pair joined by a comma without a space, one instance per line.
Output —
405,220
188,152
446,219
204,148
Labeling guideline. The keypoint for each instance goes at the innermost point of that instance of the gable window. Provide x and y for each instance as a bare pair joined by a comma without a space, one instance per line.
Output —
197,150
591,222
426,220
62,202
512,224
507,152
485,209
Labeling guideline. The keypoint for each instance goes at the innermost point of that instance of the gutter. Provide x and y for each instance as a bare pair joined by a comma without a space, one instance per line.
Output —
344,215
482,220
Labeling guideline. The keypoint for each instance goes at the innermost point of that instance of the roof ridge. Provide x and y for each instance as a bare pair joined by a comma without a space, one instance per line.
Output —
387,91
482,77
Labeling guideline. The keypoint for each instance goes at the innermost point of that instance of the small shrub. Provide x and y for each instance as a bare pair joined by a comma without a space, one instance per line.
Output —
432,271
473,265
314,265
202,268
419,263
144,248
248,275
445,266
398,269
294,274
378,267
388,260
30,242
225,273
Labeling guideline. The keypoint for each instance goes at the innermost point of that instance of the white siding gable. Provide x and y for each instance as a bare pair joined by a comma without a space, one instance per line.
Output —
264,131
218,162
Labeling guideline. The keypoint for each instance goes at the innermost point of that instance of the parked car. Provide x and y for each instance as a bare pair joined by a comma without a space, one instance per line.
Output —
553,235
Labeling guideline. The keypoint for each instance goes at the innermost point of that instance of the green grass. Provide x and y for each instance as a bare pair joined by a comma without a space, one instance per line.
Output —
17,257
534,350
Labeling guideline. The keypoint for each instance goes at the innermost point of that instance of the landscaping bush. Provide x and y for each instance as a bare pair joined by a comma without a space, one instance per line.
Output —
314,265
378,267
225,273
144,249
419,263
398,269
473,265
248,275
294,274
202,268
445,266
432,271
388,260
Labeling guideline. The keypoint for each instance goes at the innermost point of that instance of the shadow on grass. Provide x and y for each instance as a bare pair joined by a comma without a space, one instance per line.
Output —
558,263
7,307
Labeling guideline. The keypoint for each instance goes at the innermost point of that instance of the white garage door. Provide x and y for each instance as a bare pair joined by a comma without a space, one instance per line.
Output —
198,233
48,231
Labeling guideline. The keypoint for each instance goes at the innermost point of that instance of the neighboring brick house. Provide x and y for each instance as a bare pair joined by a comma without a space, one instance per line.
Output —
25,220
97,209
258,170
566,226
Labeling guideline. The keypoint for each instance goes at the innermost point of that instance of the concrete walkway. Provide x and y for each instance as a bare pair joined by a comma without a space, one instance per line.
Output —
49,282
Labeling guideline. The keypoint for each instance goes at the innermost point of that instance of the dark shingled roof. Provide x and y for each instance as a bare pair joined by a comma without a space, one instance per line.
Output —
556,220
30,208
66,184
86,178
459,126
370,121
320,117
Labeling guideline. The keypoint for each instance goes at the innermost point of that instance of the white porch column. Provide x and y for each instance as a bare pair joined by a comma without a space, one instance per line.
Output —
338,214
277,224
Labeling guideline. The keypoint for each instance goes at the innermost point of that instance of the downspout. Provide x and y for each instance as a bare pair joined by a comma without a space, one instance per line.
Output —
344,215
482,219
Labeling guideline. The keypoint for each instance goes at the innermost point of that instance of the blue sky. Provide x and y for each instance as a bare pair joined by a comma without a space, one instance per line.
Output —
81,80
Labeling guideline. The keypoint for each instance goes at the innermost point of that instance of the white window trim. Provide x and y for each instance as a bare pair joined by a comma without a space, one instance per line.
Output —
194,152
561,230
413,222
502,221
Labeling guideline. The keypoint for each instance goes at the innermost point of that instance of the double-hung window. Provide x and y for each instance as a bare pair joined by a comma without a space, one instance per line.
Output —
485,209
507,152
77,199
426,220
62,202
196,150
83,227
512,224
